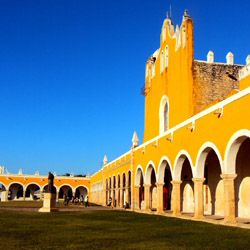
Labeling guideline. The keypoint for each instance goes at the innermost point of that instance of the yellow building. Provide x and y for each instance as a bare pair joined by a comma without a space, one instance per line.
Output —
194,157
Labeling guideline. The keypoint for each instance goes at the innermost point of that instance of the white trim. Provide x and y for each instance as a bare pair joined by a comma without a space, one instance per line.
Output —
202,156
160,166
148,172
178,164
232,149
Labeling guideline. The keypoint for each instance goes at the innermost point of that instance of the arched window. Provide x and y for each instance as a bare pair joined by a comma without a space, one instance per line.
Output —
164,115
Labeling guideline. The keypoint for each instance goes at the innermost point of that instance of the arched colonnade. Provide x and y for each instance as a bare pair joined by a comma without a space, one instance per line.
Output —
33,191
118,190
207,186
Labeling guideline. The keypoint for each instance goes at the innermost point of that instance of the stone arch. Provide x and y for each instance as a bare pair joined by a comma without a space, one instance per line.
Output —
164,114
183,171
33,191
151,181
202,156
209,165
237,161
161,168
81,191
165,178
16,190
65,189
149,169
139,173
139,183
178,164
232,149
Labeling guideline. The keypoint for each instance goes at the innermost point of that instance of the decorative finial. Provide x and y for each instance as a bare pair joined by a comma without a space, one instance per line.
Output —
167,15
105,160
230,58
210,57
248,59
20,171
135,140
186,13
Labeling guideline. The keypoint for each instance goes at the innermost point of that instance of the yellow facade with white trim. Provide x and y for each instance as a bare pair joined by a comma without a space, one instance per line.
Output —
193,159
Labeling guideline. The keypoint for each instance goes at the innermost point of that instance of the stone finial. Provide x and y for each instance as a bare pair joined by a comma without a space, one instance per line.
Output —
248,60
105,160
186,14
210,57
135,140
37,173
230,58
2,170
20,171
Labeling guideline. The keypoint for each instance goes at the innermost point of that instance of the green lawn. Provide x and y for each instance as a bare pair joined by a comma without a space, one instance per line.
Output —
113,230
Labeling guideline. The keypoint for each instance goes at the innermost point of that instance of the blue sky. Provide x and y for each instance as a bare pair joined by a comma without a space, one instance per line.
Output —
71,73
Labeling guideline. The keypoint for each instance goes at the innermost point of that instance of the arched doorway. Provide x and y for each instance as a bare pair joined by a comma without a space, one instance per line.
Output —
33,192
187,187
81,191
165,177
213,185
151,196
139,183
16,191
65,190
242,181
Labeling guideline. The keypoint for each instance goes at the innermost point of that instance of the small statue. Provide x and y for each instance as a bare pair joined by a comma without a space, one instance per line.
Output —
51,188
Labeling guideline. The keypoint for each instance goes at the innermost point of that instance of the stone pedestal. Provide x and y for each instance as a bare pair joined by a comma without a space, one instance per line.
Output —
229,197
160,197
176,198
198,198
49,203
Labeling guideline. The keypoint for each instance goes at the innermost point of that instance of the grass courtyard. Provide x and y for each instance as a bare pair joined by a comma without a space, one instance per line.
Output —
95,229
